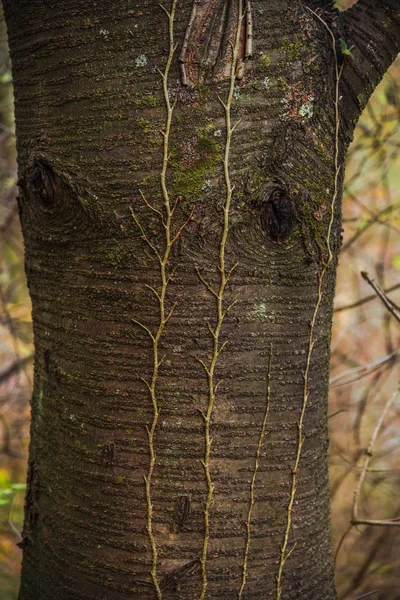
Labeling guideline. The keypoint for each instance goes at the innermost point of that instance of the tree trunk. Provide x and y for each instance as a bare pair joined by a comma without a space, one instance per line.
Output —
180,176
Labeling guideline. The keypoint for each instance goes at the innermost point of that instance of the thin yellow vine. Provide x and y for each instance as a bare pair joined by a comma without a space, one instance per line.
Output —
253,479
160,293
284,555
221,311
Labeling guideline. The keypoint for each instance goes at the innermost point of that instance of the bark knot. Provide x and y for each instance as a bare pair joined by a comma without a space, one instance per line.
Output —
54,203
277,212
40,181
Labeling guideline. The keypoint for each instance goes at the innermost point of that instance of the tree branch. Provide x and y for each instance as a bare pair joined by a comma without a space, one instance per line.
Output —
372,31
13,367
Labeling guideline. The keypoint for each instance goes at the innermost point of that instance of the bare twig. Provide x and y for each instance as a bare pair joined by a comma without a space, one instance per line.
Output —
366,595
358,373
392,308
355,520
365,300
368,455
15,366
377,522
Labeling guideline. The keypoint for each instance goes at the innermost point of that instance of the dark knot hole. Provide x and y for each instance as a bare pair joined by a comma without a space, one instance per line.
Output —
41,182
277,214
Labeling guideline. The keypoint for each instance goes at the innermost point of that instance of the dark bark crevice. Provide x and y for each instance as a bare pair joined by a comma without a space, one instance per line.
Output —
277,212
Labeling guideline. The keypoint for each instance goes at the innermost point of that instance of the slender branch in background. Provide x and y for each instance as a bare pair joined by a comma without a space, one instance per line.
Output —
355,520
388,210
366,299
368,455
358,468
371,390
15,366
337,412
366,595
359,372
390,305
14,337
10,520
378,522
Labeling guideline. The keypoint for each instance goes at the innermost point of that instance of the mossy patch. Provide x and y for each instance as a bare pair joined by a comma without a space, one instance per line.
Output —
191,173
265,60
292,48
151,132
147,100
314,212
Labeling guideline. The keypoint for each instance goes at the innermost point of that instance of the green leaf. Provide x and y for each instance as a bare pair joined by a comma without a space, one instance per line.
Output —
345,49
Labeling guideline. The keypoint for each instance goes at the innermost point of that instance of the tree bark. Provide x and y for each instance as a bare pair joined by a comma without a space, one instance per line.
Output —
180,182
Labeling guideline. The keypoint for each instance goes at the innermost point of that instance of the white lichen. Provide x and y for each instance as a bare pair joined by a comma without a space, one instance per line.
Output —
307,110
141,61
263,312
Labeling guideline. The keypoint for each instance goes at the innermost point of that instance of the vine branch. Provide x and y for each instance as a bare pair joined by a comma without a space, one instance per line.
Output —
166,276
284,553
254,477
217,348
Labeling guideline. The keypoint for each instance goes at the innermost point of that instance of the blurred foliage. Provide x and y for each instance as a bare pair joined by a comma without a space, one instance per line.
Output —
365,355
15,344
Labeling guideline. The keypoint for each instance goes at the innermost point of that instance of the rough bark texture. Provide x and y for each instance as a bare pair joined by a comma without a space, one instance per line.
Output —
140,423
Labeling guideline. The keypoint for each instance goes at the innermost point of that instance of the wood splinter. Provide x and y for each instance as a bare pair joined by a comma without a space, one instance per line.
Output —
184,51
248,52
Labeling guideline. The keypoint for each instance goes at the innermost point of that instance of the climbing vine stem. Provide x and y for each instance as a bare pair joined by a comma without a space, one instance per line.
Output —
254,478
218,294
284,553
166,273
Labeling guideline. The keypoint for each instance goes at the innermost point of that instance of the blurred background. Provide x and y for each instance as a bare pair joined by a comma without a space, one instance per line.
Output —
364,405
